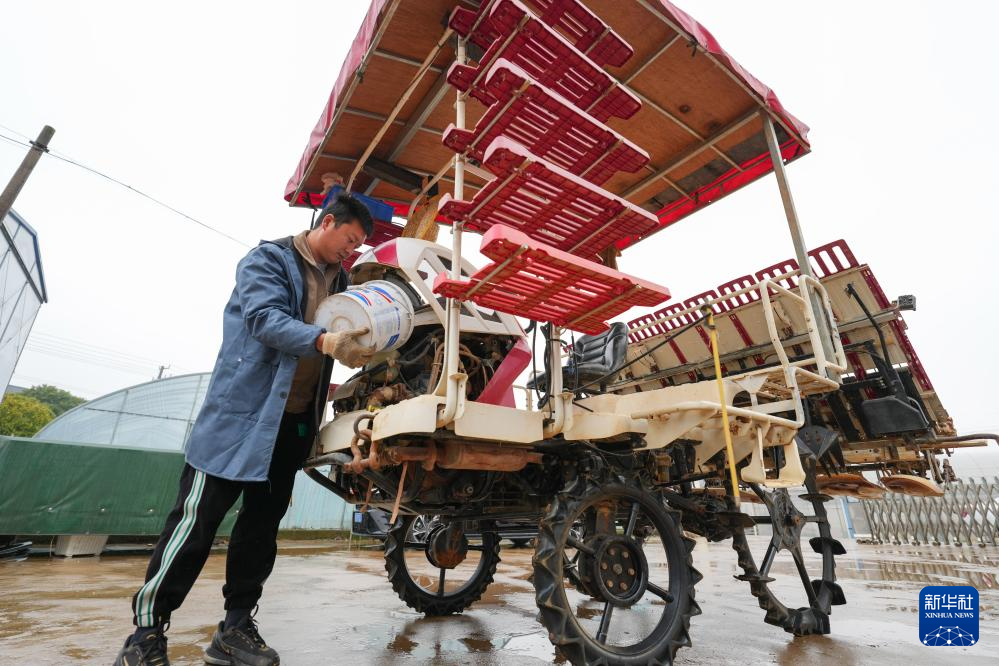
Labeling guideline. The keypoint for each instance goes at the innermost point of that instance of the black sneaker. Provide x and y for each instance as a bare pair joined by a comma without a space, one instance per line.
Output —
150,650
240,646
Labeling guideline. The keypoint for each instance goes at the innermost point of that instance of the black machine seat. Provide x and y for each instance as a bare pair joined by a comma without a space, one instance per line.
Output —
593,357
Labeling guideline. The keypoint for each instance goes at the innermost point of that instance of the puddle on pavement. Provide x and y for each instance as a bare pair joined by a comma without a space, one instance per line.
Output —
324,600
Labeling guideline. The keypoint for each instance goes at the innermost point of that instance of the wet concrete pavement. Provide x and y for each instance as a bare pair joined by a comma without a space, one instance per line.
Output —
325,605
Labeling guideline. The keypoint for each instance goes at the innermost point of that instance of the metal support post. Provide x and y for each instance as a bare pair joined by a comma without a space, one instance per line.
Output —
452,384
38,146
558,401
800,249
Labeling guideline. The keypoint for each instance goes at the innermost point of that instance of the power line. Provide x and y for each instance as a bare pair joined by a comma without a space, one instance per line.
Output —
87,348
68,160
19,378
91,360
11,129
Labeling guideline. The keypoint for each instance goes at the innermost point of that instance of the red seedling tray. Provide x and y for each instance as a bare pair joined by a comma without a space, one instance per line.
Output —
548,126
583,28
548,203
549,59
533,280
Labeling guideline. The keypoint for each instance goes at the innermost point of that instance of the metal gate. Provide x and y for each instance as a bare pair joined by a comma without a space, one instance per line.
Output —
967,514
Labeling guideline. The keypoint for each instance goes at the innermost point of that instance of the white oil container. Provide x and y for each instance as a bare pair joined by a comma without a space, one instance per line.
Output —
378,305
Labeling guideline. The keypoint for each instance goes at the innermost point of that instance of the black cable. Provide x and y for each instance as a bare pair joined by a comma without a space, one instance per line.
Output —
20,143
129,187
546,330
572,361
534,361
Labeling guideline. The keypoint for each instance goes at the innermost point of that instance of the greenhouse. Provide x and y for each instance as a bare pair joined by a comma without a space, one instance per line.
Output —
139,431
23,290
155,415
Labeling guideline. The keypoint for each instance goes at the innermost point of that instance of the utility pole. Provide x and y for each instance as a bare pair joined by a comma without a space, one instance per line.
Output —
162,368
38,146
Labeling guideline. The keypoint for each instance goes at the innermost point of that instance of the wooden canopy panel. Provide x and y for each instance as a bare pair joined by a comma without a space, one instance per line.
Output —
548,126
700,116
532,280
547,203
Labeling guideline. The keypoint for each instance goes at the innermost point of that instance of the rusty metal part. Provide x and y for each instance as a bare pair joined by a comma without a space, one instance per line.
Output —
447,547
398,494
460,455
388,395
367,497
663,463
605,513
493,457
363,417
426,456
436,364
360,463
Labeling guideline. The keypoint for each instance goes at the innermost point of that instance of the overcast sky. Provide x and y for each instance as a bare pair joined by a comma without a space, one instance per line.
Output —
208,106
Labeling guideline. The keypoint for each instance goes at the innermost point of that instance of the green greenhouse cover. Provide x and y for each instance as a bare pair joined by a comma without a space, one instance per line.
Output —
61,488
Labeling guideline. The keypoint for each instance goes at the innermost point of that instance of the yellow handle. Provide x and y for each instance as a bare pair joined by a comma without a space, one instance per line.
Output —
713,332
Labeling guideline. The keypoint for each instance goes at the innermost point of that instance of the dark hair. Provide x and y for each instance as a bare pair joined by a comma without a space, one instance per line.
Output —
345,208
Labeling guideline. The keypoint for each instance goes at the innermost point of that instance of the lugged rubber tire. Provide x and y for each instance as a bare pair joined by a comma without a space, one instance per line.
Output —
420,599
558,618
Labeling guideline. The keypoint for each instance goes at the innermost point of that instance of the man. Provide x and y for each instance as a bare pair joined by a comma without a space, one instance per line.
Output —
258,424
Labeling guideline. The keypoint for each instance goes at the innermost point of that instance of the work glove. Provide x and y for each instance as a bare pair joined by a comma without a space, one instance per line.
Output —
343,347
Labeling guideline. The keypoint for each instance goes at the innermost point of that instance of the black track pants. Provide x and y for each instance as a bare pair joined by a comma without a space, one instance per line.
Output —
190,529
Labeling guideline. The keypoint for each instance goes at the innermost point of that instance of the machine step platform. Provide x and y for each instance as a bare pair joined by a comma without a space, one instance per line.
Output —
583,28
547,125
530,279
547,203
547,57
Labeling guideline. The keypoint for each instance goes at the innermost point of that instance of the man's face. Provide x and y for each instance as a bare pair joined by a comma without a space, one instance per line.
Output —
333,243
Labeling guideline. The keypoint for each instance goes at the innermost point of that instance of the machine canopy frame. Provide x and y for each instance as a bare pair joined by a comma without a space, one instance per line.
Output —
704,119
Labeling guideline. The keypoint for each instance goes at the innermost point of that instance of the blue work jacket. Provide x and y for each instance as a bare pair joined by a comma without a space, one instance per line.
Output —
263,336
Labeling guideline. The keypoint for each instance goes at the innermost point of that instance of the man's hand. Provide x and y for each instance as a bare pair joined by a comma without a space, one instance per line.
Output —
343,347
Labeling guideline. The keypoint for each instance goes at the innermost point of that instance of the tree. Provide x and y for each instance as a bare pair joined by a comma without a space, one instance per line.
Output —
57,399
21,416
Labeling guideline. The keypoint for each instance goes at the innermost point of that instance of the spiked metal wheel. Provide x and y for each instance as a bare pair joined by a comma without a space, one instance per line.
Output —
623,593
787,522
435,575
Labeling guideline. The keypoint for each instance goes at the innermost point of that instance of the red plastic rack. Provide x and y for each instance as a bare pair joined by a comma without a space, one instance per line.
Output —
584,29
548,203
549,59
533,280
825,260
547,125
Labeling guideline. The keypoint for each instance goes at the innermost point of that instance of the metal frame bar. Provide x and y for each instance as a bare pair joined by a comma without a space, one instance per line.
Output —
430,183
684,126
826,326
660,174
388,55
652,59
378,116
452,381
415,122
853,325
417,78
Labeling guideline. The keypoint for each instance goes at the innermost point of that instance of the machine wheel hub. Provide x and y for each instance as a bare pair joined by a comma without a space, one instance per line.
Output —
619,569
